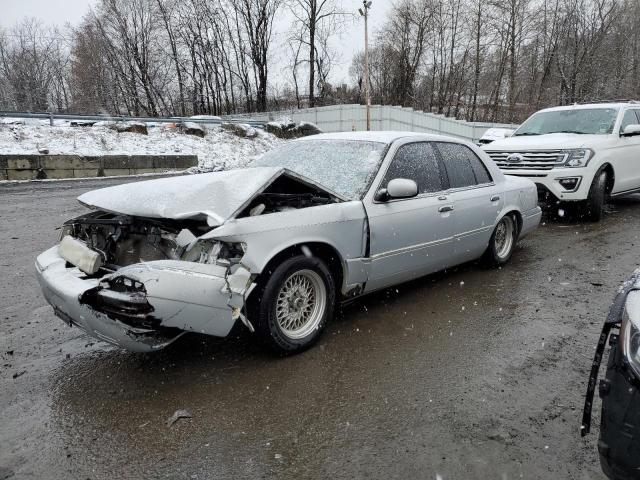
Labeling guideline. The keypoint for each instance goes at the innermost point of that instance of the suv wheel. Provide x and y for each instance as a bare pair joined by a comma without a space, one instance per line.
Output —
295,305
597,197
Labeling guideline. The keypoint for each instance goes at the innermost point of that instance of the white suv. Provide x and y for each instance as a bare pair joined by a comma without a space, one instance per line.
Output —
578,153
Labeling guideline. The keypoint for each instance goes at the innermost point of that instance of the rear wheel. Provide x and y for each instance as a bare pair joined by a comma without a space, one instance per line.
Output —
296,303
502,242
597,197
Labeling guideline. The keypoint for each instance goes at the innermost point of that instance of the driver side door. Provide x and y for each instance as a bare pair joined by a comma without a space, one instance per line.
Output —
410,237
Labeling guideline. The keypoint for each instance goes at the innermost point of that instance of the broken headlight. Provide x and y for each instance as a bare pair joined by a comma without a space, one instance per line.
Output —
213,251
67,229
630,335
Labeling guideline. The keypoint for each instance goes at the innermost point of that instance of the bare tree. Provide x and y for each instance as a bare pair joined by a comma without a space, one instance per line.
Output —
492,60
33,67
257,18
167,9
317,22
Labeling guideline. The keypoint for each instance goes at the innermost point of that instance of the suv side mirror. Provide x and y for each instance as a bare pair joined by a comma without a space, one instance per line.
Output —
630,131
397,188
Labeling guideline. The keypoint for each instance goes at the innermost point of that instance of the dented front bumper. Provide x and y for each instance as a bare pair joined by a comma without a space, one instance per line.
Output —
182,296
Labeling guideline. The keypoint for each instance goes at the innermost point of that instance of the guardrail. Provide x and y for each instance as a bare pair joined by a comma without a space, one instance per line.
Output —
110,118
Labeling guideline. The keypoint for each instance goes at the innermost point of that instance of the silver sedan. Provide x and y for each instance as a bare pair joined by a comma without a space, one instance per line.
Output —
278,244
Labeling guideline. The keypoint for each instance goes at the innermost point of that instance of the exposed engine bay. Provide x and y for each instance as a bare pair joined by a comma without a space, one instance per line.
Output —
123,240
287,193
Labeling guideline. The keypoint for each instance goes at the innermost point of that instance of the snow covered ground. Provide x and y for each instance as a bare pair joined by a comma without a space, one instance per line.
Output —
219,149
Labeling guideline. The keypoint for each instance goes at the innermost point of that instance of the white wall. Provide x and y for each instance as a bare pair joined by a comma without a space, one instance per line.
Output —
343,118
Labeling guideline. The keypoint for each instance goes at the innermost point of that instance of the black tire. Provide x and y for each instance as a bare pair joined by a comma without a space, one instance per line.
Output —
597,198
499,253
267,307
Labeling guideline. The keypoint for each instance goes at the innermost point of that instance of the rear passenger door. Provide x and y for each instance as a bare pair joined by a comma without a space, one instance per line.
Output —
475,197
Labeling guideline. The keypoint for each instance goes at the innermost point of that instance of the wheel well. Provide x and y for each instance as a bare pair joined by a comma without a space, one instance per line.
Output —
611,176
518,217
323,251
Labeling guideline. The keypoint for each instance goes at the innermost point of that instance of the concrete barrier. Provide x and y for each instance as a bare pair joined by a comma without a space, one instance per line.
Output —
38,167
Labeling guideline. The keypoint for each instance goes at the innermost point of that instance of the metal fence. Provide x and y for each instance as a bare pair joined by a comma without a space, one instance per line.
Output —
335,118
342,118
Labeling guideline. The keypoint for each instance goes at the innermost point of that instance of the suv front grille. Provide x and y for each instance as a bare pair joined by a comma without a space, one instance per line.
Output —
531,160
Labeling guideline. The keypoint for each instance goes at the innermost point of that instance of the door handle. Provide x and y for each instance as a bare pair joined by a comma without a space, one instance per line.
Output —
446,208
442,198
495,198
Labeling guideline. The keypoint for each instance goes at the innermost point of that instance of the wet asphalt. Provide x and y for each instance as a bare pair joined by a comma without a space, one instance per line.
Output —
470,373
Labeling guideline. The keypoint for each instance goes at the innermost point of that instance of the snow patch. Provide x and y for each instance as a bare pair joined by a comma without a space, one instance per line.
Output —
218,150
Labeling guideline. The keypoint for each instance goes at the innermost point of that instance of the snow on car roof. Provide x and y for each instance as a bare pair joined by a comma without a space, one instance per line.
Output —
382,136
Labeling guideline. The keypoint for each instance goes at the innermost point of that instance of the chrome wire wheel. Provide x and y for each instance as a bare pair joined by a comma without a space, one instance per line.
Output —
301,304
504,237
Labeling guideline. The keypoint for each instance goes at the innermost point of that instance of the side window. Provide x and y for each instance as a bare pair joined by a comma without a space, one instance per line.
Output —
479,168
417,162
463,166
629,118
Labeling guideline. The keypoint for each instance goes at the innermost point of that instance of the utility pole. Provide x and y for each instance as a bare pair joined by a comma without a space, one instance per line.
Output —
365,13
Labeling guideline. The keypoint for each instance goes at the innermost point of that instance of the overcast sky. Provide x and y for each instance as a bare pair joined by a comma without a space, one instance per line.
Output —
60,12
49,11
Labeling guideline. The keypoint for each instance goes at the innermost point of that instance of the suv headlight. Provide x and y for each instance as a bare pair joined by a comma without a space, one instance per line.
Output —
578,157
630,340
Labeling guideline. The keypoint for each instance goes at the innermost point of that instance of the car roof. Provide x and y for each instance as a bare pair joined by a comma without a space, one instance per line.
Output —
582,106
382,136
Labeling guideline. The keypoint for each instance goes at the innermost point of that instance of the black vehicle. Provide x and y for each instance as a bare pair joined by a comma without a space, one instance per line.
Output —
619,442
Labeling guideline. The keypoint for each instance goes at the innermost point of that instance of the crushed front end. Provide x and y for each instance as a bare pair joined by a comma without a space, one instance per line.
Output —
142,283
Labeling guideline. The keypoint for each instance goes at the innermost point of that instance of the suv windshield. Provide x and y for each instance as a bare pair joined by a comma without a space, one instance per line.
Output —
577,120
344,166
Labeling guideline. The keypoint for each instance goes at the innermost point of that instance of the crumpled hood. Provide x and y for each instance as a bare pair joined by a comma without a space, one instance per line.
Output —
214,197
550,141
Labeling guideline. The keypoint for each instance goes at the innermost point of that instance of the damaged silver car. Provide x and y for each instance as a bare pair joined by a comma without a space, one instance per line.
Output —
277,245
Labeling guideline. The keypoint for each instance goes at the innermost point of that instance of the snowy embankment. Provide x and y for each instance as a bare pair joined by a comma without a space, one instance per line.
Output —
219,149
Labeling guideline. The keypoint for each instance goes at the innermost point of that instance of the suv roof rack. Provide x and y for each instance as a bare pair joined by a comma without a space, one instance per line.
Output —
617,100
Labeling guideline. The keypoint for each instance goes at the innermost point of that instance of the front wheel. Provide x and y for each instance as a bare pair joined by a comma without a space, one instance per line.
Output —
502,242
597,197
296,303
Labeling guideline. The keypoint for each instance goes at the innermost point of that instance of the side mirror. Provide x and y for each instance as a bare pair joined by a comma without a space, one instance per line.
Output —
630,131
398,188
